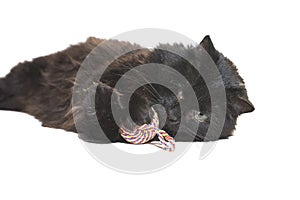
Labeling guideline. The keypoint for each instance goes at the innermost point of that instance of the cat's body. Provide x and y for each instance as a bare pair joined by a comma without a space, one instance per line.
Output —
43,88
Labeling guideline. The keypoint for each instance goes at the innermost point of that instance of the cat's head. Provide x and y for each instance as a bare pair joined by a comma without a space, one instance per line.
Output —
236,95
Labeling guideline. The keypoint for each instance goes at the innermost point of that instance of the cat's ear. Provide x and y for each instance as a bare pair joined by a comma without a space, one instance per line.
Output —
243,105
208,45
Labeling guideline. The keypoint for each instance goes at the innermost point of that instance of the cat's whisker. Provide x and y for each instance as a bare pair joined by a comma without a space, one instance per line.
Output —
140,84
150,84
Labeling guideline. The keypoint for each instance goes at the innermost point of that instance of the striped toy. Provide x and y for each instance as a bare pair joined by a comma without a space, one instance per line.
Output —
146,132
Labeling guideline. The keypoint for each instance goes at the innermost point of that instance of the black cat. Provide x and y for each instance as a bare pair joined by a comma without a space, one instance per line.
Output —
43,88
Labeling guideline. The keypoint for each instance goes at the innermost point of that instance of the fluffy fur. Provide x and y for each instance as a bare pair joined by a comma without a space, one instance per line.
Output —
43,88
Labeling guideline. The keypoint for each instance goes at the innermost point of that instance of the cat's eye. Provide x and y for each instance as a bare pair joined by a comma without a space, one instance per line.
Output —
199,116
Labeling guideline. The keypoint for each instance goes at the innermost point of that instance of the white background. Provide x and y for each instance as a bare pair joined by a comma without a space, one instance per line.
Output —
260,162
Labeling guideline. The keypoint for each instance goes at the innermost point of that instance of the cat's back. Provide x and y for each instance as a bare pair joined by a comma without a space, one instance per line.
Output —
43,87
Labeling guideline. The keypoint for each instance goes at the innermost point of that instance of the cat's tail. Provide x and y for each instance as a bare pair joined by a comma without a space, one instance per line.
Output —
8,100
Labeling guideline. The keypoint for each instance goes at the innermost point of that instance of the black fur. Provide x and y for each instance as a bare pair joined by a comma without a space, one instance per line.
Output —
43,88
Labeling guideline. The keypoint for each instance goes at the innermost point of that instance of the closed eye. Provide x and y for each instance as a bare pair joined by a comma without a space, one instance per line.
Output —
173,120
199,116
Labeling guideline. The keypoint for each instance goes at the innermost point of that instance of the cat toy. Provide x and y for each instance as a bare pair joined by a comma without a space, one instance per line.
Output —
146,132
